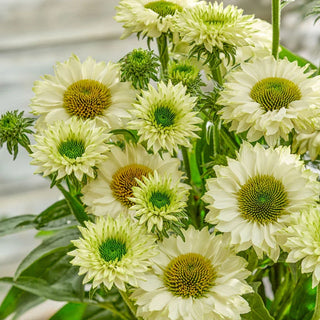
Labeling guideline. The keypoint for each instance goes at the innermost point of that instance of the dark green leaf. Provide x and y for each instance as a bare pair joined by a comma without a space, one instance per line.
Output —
56,216
16,224
18,301
59,291
58,242
258,309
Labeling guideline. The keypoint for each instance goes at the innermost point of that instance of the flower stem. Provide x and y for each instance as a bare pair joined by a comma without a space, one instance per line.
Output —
129,303
316,314
163,54
215,72
276,9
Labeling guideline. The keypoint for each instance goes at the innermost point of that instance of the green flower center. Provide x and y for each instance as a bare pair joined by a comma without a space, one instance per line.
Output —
189,275
275,93
86,98
183,68
72,149
262,199
112,250
159,199
164,116
124,179
163,8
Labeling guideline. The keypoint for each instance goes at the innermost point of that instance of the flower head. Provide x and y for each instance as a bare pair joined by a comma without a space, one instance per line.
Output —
71,147
303,242
199,278
87,90
148,17
159,201
13,131
139,66
214,27
164,117
257,195
112,190
113,252
269,98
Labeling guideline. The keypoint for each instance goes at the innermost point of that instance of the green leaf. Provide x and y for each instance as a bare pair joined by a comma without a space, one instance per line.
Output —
18,301
59,291
71,311
16,224
56,216
60,241
293,57
258,309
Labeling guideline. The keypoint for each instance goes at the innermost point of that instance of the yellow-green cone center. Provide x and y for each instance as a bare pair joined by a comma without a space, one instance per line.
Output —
86,98
189,275
124,179
71,149
164,116
163,8
112,250
275,93
159,199
262,199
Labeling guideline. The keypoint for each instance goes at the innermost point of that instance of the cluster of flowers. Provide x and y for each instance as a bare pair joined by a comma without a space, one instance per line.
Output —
142,236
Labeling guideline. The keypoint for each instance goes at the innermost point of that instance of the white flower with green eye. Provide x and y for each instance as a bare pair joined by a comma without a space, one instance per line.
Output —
113,252
87,90
213,26
71,147
269,98
158,200
111,191
148,17
258,194
303,242
199,278
164,117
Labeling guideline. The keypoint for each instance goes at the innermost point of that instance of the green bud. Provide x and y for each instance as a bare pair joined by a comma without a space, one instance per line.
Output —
186,73
13,131
139,66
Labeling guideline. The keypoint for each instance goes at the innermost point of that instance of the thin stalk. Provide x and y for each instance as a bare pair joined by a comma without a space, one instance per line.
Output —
276,9
129,303
316,314
163,54
186,162
109,306
215,72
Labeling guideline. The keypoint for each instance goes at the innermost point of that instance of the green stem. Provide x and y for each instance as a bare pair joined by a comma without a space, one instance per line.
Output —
316,314
109,306
186,162
163,54
215,72
129,303
276,9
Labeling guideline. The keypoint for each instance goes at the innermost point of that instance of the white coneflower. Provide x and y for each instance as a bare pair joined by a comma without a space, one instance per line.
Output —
87,90
72,147
111,191
159,200
199,278
148,17
164,117
257,194
113,252
269,98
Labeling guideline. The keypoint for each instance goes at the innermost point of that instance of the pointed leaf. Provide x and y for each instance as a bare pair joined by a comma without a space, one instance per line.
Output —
16,224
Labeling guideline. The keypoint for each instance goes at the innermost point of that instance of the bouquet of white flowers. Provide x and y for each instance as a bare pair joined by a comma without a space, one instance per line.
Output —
189,175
